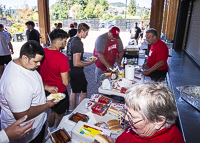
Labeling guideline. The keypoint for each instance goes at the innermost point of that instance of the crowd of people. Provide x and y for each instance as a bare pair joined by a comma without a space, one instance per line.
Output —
39,71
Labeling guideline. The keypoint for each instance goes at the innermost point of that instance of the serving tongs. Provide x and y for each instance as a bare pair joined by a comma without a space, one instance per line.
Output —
54,141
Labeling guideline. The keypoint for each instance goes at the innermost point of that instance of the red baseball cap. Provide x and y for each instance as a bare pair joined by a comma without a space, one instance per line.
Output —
72,25
115,31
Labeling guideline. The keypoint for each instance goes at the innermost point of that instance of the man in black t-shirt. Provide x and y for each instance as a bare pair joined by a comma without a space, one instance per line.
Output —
135,31
33,34
75,52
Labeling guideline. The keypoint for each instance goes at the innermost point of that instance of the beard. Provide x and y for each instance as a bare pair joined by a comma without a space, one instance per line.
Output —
62,47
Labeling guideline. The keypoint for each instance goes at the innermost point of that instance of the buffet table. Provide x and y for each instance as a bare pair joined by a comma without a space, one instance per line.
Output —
68,125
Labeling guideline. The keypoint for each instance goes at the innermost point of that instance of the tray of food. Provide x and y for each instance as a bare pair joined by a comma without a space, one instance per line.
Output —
75,117
191,94
60,136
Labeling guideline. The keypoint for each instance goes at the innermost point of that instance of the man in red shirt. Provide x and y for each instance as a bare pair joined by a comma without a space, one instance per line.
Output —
54,71
108,46
156,66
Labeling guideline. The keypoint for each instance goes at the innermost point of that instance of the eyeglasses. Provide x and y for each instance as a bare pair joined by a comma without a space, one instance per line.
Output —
130,118
149,37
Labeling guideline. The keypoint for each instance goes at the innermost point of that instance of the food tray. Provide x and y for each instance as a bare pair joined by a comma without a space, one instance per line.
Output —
80,117
191,94
61,135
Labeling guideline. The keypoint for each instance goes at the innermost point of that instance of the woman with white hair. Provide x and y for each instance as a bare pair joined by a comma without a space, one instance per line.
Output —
151,112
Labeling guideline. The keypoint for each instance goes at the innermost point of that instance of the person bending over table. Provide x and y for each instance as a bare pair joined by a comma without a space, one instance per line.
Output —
108,46
22,92
151,113
156,66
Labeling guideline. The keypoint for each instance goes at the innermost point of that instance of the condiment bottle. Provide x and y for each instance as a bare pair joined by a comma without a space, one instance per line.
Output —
113,75
121,74
124,63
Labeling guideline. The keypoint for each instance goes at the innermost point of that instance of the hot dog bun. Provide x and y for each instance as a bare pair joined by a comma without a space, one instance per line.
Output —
101,138
114,125
116,128
112,122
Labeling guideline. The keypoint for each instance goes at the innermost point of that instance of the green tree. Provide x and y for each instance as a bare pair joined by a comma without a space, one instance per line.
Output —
75,10
8,14
89,11
60,9
107,17
99,10
132,7
83,3
1,10
81,14
26,13
105,4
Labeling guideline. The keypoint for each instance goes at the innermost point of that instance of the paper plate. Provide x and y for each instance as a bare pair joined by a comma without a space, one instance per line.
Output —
88,59
56,96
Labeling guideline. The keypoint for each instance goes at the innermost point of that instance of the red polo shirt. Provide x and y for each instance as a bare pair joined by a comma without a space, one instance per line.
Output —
158,52
166,135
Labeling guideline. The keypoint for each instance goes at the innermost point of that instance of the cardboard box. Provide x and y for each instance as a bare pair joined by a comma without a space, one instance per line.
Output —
80,135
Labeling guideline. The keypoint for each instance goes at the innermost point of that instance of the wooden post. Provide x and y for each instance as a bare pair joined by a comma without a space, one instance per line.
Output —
44,20
157,15
165,16
171,20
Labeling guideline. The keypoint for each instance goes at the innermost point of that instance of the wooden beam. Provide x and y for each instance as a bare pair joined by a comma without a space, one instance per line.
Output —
172,17
157,15
165,16
44,20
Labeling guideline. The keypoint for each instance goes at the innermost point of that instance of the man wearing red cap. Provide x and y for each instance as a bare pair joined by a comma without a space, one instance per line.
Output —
72,32
108,46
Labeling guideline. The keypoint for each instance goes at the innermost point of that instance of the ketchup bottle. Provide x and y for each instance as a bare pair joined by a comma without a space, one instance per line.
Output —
124,63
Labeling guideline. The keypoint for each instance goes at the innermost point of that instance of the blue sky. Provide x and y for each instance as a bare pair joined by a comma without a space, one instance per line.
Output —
17,3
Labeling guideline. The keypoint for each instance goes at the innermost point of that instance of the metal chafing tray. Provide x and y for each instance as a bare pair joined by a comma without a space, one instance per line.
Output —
132,51
191,94
132,48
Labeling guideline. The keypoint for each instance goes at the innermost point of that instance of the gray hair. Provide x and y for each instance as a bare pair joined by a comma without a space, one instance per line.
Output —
152,31
152,100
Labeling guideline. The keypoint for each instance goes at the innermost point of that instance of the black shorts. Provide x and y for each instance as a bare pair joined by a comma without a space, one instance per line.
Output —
78,83
62,106
141,35
5,59
158,75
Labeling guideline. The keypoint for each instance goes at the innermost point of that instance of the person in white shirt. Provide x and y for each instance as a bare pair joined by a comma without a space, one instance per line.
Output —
142,27
5,49
15,131
37,27
22,92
